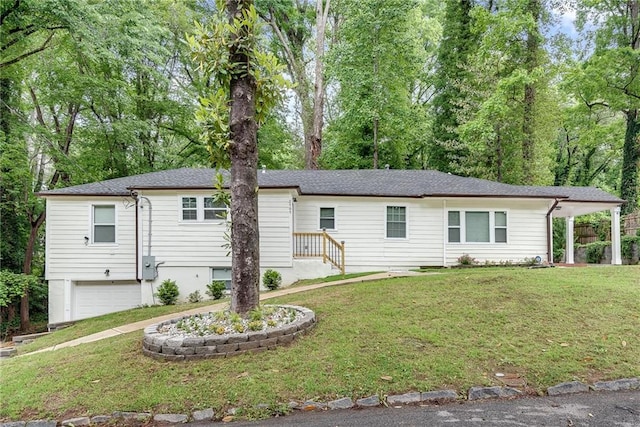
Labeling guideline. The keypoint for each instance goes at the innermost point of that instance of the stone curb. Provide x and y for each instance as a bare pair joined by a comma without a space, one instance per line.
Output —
162,347
432,397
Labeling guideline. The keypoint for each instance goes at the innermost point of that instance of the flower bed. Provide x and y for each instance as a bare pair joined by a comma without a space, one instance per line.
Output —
215,335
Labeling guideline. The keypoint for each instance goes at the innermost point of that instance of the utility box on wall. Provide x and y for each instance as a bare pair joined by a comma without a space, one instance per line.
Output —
149,268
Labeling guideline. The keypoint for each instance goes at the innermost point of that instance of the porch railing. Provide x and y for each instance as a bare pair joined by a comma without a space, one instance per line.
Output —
319,245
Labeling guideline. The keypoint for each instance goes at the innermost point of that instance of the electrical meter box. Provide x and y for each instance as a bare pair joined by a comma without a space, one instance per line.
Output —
149,271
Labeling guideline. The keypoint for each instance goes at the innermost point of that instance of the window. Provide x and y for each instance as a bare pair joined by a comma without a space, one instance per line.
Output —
454,226
477,227
396,222
104,224
189,209
327,218
201,209
500,228
214,209
222,275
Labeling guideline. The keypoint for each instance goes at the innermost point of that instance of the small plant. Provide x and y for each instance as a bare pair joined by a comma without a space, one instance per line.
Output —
215,289
466,259
272,279
195,297
220,330
238,327
271,323
168,292
255,315
255,325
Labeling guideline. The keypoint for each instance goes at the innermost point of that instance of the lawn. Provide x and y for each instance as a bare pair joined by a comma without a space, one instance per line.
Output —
450,330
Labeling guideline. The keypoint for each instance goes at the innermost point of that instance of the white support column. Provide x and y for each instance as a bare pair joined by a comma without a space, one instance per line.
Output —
568,250
616,251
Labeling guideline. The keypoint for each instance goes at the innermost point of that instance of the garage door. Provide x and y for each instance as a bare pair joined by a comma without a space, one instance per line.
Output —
97,298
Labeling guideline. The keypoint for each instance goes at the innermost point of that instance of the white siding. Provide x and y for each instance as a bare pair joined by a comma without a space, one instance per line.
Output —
361,224
70,256
526,231
190,244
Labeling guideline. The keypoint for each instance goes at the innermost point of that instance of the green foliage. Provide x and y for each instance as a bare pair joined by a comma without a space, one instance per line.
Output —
210,46
376,62
627,245
168,292
195,297
215,289
272,279
13,286
595,251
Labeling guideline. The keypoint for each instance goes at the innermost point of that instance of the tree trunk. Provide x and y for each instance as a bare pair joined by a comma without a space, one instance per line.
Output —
245,249
631,149
315,144
528,123
630,162
25,321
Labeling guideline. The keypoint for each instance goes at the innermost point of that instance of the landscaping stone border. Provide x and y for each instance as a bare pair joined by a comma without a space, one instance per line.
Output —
161,346
430,397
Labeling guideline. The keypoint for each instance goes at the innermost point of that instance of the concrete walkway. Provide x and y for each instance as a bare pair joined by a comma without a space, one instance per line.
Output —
137,326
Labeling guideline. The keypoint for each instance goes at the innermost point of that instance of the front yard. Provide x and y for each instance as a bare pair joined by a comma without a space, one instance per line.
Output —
451,330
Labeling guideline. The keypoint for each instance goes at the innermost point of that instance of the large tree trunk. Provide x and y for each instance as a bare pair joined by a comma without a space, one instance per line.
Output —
315,142
245,249
631,149
528,124
631,162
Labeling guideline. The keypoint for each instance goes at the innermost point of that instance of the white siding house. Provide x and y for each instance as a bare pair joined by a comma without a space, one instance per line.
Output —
110,244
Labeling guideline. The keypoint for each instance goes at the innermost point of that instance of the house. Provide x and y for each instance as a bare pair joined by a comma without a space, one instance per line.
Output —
110,244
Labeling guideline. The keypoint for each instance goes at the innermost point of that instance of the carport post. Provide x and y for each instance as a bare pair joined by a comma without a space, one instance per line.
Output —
616,253
568,250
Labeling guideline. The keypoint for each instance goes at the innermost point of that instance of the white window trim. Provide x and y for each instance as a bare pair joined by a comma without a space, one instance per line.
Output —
92,225
335,217
199,211
492,226
406,222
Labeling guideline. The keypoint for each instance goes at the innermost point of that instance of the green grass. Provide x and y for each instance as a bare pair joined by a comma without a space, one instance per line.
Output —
450,330
97,324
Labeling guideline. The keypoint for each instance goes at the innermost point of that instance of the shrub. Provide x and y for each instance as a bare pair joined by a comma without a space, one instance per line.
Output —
466,259
272,279
595,251
168,292
216,289
195,297
627,244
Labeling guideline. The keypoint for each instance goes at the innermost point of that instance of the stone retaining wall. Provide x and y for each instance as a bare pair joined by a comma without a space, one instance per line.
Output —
165,347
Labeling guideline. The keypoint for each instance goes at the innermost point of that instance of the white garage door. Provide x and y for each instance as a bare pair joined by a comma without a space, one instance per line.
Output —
97,298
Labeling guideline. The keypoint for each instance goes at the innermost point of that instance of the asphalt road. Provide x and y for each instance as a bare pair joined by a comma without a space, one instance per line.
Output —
601,409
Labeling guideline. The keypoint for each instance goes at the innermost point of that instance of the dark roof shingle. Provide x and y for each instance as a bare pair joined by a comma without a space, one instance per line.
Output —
362,182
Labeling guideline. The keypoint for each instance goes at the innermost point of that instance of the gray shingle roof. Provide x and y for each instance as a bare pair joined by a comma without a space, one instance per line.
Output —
363,182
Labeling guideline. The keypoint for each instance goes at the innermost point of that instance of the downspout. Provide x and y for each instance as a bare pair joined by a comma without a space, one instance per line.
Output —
549,231
150,207
135,197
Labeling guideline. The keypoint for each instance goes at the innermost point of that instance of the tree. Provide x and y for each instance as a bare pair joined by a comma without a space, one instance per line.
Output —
247,83
90,91
375,63
509,116
612,77
458,42
292,25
